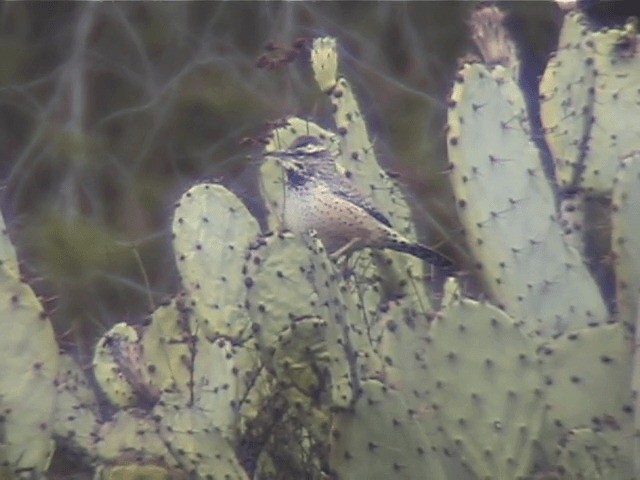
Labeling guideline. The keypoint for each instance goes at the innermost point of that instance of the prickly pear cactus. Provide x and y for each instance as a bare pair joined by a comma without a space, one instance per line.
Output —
185,377
461,398
388,432
586,361
130,433
196,444
166,343
277,362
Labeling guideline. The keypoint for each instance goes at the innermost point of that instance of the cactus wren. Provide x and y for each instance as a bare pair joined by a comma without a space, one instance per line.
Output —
319,197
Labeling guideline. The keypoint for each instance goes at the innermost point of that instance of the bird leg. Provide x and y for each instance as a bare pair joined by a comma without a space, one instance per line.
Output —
345,248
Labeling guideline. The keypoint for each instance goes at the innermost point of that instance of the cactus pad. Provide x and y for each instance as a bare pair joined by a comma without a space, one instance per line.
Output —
485,389
508,209
566,99
212,231
625,237
27,390
587,380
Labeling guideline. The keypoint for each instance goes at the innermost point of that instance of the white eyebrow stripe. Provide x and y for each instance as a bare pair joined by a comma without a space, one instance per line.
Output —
312,149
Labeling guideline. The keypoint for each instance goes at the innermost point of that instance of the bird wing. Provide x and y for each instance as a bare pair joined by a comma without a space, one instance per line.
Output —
346,189
327,170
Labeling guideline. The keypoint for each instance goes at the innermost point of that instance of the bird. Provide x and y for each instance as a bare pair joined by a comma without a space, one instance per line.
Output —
319,197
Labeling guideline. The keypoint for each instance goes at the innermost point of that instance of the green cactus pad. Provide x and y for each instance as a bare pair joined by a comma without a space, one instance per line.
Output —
508,209
76,408
212,231
166,343
567,99
587,380
196,444
190,370
380,438
403,339
27,389
281,291
614,134
588,96
595,454
625,238
483,389
131,434
226,384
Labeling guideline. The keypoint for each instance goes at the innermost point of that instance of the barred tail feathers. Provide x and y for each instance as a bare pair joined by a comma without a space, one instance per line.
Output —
418,250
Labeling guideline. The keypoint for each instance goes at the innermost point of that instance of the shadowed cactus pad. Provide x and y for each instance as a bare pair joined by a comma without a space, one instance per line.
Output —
625,237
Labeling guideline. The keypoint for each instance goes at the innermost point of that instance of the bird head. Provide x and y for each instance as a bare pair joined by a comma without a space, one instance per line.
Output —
303,148
301,158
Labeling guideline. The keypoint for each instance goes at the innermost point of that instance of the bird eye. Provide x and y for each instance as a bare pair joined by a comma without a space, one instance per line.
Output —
304,142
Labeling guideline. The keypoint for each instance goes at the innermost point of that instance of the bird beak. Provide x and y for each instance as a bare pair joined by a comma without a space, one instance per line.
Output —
281,157
280,154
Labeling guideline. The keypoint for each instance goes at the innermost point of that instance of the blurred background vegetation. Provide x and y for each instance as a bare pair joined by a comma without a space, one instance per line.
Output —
108,111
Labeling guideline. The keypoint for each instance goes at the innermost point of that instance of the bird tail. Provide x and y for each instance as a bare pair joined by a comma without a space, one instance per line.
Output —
423,252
